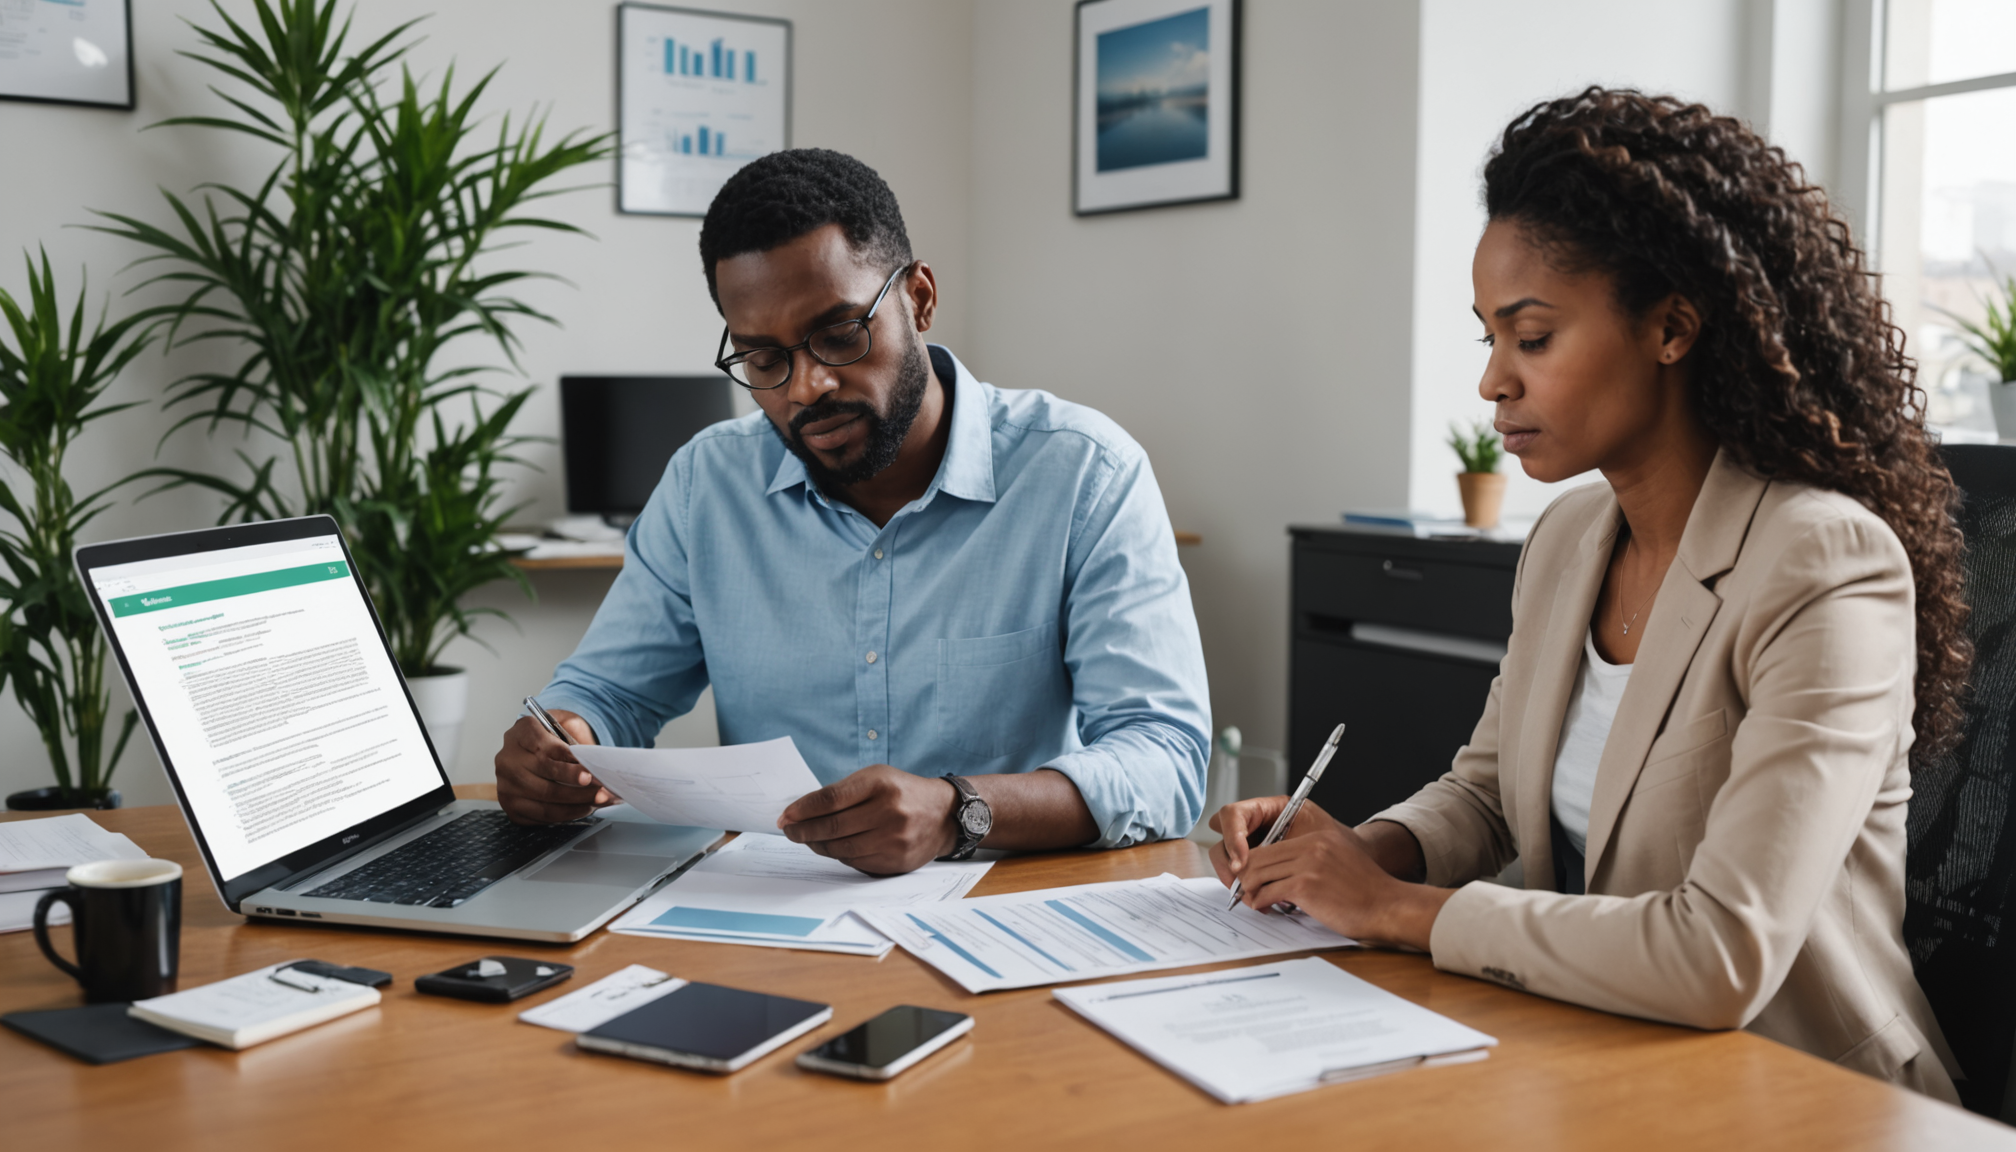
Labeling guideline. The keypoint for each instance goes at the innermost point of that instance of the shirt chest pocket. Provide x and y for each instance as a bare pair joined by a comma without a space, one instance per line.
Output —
997,695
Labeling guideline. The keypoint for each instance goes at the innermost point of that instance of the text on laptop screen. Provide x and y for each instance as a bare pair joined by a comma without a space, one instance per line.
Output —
272,693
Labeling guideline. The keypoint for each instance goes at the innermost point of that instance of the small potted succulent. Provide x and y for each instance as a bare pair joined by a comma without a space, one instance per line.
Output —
1482,486
1993,341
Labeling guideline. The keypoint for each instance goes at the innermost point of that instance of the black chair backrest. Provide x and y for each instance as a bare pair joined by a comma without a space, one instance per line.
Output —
1960,919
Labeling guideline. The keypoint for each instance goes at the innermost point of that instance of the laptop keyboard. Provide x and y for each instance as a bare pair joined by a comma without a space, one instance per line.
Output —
451,864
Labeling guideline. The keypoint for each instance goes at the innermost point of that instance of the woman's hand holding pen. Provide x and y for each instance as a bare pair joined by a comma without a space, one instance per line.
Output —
1348,879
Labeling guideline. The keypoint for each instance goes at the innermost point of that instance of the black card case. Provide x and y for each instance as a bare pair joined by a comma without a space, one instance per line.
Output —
97,1033
521,977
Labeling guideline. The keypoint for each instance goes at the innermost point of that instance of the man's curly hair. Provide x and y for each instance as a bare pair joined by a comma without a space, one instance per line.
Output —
1799,370
779,197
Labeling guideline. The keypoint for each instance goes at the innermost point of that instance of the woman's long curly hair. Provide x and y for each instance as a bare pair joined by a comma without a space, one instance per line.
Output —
1798,369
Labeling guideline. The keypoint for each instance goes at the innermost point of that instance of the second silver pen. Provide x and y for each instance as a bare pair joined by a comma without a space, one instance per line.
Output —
1294,804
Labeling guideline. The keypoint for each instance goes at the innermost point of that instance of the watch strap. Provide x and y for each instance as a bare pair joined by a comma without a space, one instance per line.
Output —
967,843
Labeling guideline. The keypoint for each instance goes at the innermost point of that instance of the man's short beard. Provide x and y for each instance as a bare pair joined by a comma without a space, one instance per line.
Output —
886,430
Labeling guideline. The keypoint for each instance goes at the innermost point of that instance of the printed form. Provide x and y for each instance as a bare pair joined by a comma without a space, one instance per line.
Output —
1082,933
1255,1033
767,890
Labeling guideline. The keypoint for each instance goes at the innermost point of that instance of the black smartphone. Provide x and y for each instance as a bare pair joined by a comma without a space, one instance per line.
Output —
495,979
886,1045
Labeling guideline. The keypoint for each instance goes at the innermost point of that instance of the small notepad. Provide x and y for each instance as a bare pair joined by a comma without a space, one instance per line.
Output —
256,1007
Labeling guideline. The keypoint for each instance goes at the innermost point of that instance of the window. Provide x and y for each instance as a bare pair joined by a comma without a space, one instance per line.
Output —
1944,104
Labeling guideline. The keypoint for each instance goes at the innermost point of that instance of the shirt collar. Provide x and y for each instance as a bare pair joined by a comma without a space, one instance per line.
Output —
967,471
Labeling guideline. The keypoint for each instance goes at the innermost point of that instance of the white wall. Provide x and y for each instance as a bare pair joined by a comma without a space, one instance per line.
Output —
1266,351
1255,347
1482,62
883,79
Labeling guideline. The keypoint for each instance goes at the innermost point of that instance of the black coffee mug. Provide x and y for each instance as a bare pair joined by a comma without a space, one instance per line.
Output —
126,917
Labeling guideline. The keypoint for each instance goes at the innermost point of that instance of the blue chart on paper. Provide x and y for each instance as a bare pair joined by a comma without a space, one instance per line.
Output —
716,920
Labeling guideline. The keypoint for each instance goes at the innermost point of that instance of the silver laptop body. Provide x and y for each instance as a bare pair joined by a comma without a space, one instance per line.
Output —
269,690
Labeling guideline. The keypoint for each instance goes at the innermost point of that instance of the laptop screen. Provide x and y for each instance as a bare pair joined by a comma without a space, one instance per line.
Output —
269,691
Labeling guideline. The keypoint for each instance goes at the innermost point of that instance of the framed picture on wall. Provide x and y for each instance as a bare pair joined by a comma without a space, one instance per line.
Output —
1156,104
699,94
67,52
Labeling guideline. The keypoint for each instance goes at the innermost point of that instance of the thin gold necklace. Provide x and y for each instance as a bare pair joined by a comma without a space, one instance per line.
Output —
1629,542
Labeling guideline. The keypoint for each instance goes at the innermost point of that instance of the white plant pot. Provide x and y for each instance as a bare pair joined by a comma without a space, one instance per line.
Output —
2002,402
443,701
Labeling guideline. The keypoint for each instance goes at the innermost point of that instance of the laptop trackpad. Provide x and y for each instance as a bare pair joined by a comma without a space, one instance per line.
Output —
623,855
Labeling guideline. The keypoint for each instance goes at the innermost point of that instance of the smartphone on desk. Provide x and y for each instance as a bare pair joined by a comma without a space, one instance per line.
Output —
886,1045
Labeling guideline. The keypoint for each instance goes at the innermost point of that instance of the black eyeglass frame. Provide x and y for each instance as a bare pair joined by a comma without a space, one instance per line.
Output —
725,363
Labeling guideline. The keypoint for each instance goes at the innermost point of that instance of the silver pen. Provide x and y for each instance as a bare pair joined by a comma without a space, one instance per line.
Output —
545,719
1287,816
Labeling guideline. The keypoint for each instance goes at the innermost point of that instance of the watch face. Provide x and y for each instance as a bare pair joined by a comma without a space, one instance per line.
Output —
976,819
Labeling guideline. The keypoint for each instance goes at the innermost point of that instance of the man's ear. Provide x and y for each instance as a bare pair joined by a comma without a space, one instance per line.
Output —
922,288
1679,327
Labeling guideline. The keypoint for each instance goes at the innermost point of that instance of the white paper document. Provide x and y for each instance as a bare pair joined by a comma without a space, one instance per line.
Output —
1058,935
602,1001
36,853
1254,1033
768,890
740,787
17,911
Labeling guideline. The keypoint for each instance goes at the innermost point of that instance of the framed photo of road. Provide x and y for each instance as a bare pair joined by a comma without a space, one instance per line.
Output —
699,94
67,52
1155,105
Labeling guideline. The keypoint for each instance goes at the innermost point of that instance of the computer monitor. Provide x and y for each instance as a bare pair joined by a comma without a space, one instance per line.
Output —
618,432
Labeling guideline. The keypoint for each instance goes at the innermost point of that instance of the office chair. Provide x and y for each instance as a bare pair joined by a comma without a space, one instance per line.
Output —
1960,873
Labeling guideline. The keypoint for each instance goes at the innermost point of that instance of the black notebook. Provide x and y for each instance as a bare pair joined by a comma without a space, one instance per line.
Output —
707,1026
97,1033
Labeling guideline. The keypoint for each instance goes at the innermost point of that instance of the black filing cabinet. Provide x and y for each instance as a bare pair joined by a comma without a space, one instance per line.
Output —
1398,639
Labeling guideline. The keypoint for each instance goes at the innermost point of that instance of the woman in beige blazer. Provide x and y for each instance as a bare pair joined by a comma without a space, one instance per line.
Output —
1697,742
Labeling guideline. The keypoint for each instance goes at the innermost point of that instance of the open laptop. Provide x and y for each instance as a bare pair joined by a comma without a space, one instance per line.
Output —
305,773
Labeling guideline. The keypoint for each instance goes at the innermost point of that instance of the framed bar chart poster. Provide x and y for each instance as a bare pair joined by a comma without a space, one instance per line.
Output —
67,52
699,94
1156,104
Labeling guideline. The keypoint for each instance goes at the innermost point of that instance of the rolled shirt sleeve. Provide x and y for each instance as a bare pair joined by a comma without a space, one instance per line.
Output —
642,662
1136,664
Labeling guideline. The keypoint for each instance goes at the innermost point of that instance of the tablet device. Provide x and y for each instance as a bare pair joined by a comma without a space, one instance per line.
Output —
708,1027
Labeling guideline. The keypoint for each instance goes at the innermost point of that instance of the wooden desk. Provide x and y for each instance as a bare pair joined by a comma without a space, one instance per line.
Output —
428,1073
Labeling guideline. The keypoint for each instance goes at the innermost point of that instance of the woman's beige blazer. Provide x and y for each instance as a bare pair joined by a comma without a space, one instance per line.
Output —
1745,861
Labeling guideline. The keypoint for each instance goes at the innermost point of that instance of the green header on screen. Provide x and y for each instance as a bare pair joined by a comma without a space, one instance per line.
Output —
189,594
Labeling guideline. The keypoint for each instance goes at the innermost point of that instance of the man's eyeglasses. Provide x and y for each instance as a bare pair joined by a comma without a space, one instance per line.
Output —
835,345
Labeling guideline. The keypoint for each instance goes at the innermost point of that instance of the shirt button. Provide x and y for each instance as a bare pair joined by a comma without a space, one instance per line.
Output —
871,734
871,657
878,553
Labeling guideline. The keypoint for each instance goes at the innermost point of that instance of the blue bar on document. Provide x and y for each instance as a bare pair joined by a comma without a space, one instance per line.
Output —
716,920
1100,930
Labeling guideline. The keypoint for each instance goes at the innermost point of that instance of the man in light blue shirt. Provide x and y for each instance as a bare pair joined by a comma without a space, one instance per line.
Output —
962,602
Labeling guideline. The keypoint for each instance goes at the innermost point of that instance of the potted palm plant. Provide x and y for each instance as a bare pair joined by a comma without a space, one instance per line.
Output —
1993,342
53,378
365,251
1481,484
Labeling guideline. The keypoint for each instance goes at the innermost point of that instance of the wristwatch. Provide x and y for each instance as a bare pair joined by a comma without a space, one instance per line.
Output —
971,818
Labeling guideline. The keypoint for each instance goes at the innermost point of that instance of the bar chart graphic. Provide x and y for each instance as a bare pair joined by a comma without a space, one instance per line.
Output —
702,95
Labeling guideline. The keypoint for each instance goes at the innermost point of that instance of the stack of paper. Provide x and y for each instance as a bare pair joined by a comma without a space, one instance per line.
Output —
1093,930
1256,1033
768,891
256,1007
34,855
